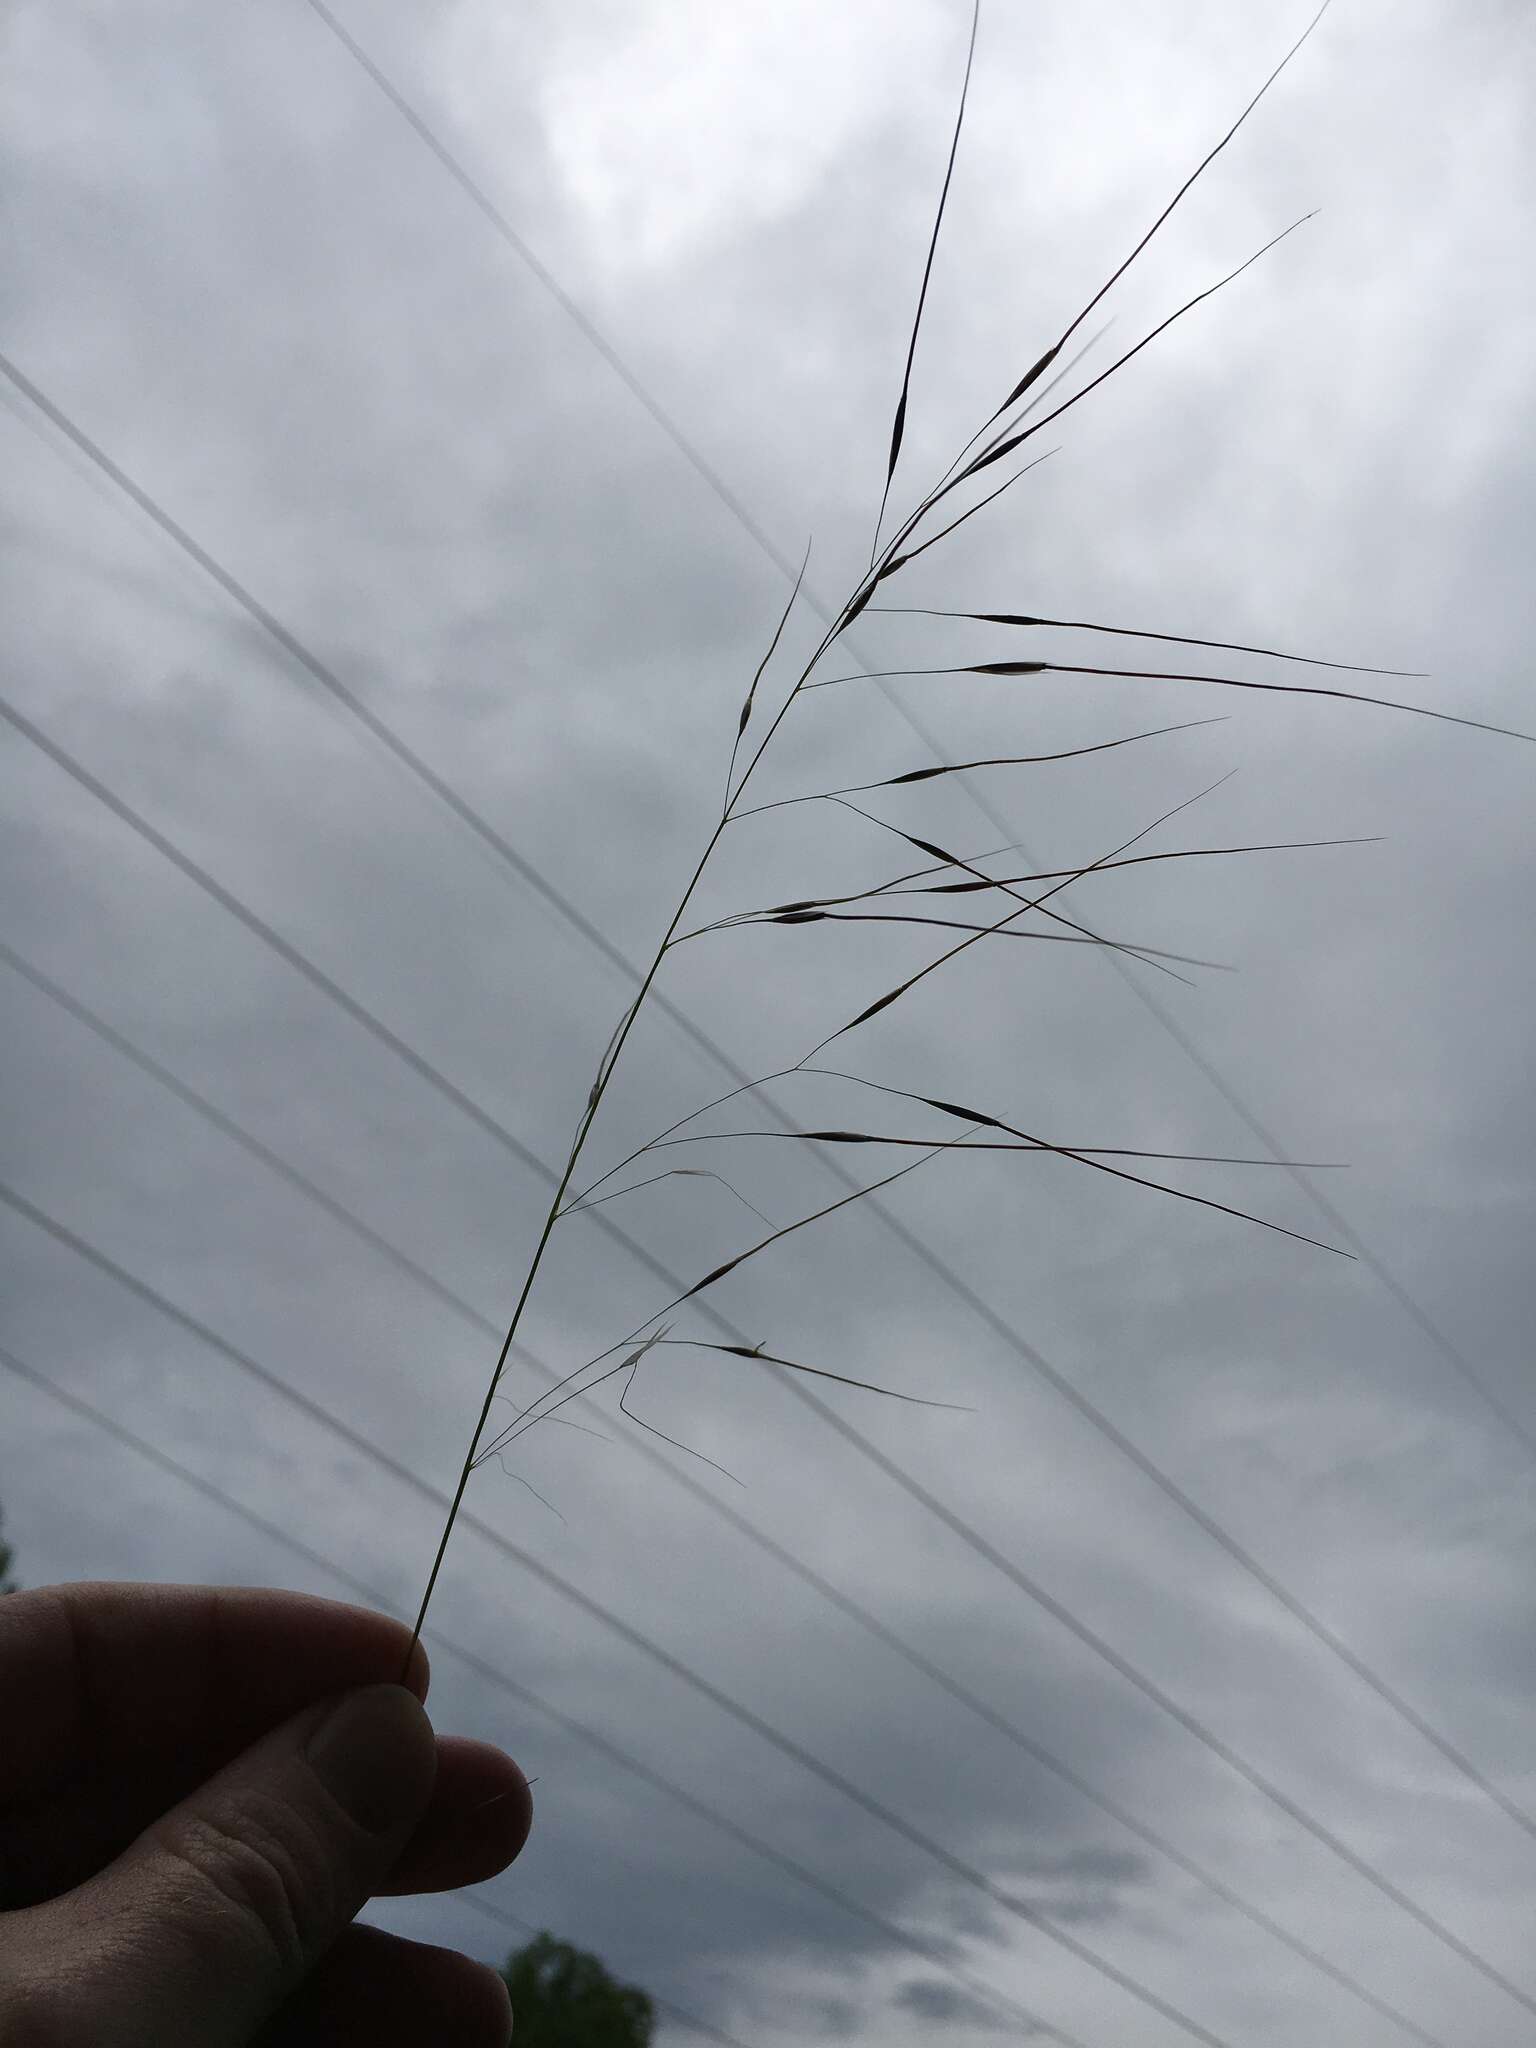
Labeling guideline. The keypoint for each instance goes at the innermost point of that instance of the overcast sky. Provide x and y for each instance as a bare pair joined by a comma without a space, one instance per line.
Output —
235,269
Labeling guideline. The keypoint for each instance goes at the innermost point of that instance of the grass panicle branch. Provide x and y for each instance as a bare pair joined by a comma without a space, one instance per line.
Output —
1354,668
899,422
1010,669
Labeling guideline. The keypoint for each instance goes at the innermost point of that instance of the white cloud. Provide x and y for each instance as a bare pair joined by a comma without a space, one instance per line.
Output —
674,128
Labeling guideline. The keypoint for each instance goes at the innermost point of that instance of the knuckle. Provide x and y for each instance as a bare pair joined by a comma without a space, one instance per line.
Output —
255,1875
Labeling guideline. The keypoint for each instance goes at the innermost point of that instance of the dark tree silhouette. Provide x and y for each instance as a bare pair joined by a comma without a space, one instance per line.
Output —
7,1583
564,1998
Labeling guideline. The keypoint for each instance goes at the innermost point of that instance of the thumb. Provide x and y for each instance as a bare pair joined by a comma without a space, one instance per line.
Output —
220,1909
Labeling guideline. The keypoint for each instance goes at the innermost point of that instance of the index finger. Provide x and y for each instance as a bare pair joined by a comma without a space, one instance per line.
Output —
98,1673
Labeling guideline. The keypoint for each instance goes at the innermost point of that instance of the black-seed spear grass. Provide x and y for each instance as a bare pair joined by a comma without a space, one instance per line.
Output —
1014,422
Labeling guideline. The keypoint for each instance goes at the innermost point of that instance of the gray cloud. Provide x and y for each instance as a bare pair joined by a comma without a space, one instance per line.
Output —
931,1999
234,266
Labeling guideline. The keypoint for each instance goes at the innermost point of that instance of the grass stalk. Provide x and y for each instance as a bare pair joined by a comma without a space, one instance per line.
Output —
1017,419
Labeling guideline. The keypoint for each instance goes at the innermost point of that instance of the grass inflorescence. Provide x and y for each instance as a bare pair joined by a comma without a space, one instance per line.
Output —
917,896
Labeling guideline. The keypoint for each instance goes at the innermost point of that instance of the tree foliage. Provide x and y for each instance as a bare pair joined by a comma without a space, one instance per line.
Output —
565,1998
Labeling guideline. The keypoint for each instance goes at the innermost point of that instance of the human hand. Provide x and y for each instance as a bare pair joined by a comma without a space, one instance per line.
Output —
190,1818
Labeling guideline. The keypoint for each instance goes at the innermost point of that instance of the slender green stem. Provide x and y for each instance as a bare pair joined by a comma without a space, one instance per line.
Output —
584,1127
585,1122
595,1100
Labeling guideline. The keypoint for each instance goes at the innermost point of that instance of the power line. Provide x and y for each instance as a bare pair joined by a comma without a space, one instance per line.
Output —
480,198
386,1461
514,1688
912,1243
833,1595
201,1106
